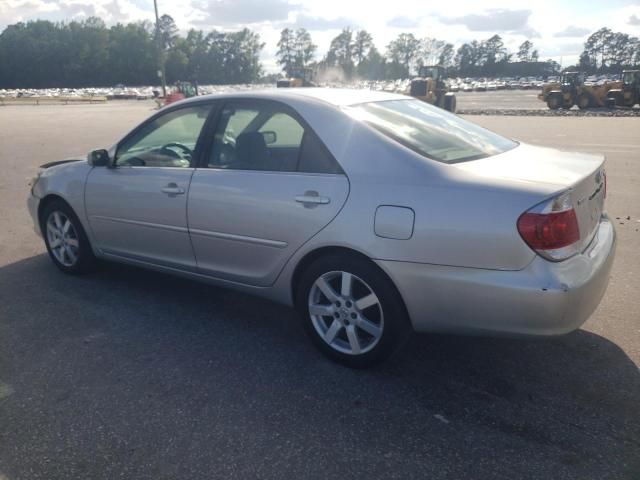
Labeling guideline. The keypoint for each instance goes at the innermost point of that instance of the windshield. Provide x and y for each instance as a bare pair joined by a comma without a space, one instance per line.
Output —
431,72
431,131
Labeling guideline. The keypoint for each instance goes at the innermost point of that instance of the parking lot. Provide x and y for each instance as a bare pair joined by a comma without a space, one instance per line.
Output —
126,373
501,100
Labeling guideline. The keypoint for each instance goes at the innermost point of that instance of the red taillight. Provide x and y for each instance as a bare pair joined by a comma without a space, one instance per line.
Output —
549,231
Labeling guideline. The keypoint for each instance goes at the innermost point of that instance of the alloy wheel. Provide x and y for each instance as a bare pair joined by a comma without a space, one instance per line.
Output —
62,238
346,312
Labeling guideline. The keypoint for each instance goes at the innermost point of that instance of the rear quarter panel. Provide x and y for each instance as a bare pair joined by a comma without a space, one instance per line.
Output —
461,218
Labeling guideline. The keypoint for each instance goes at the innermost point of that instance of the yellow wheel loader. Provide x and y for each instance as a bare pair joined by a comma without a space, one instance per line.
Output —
571,91
429,86
628,93
298,77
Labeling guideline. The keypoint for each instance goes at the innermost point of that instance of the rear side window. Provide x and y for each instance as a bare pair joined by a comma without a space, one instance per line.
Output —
314,157
288,130
431,131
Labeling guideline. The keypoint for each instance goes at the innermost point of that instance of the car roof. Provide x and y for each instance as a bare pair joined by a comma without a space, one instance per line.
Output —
338,97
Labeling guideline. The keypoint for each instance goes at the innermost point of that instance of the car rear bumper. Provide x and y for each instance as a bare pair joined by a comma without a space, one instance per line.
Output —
32,204
545,298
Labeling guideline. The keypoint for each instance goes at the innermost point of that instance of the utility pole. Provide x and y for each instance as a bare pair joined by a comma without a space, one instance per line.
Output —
160,52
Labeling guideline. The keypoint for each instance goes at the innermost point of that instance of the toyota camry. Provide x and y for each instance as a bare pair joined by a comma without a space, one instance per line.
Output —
373,214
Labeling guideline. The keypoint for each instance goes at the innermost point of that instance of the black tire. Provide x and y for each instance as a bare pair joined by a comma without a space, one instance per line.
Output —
584,101
389,313
85,260
554,102
450,103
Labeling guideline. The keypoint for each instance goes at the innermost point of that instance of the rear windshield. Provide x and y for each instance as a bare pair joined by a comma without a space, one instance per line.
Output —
430,131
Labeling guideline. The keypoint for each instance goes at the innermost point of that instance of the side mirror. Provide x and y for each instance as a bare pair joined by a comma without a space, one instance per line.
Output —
270,137
98,158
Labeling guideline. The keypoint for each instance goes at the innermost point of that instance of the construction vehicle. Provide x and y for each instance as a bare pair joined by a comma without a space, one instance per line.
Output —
429,86
571,91
628,93
298,77
181,90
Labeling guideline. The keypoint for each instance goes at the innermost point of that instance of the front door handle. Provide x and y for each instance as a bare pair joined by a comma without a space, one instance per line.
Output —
172,190
312,198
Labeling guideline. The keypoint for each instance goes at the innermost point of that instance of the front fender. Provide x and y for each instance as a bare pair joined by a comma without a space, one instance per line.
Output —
66,180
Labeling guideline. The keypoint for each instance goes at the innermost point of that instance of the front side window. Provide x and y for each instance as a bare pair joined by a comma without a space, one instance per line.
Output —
430,131
168,141
265,136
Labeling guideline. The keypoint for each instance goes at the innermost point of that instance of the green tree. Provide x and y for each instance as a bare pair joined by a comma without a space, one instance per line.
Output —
404,51
168,31
494,55
446,55
606,50
286,54
305,49
362,46
341,52
468,59
524,51
372,67
132,54
430,51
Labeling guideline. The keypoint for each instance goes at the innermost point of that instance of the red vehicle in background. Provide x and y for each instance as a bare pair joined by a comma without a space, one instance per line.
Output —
180,91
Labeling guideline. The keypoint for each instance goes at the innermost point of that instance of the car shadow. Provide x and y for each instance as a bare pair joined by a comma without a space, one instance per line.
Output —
145,357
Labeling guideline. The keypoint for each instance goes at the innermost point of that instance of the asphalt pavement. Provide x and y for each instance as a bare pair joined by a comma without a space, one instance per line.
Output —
132,374
501,100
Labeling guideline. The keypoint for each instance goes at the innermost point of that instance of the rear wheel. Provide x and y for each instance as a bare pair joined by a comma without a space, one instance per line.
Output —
351,310
584,101
65,239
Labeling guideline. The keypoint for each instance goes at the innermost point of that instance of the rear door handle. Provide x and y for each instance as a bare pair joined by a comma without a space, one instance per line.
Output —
311,197
172,190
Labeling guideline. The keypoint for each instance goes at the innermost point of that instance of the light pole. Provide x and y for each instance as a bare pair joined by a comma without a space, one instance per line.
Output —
160,52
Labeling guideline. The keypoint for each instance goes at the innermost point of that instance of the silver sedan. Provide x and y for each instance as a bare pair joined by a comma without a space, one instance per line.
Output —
373,214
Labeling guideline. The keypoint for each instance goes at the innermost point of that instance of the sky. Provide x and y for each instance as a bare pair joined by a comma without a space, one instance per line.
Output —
558,28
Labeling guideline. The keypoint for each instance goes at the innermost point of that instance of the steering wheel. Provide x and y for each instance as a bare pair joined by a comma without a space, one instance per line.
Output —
168,150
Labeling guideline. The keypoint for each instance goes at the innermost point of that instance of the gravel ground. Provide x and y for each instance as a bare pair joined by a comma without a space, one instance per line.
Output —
500,100
132,374
574,112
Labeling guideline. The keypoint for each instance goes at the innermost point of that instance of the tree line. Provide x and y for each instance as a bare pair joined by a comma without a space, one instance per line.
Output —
353,54
606,51
40,53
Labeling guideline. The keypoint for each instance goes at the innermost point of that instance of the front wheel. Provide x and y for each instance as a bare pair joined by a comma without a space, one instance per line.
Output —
584,101
65,239
554,102
351,310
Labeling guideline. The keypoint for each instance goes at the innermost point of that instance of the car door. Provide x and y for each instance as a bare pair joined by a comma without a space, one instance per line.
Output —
137,208
267,186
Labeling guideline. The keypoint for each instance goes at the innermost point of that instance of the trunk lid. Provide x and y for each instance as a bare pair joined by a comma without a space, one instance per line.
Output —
556,171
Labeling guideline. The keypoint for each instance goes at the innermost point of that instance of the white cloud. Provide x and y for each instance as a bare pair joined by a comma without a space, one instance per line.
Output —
456,21
320,23
497,20
241,12
572,31
403,22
